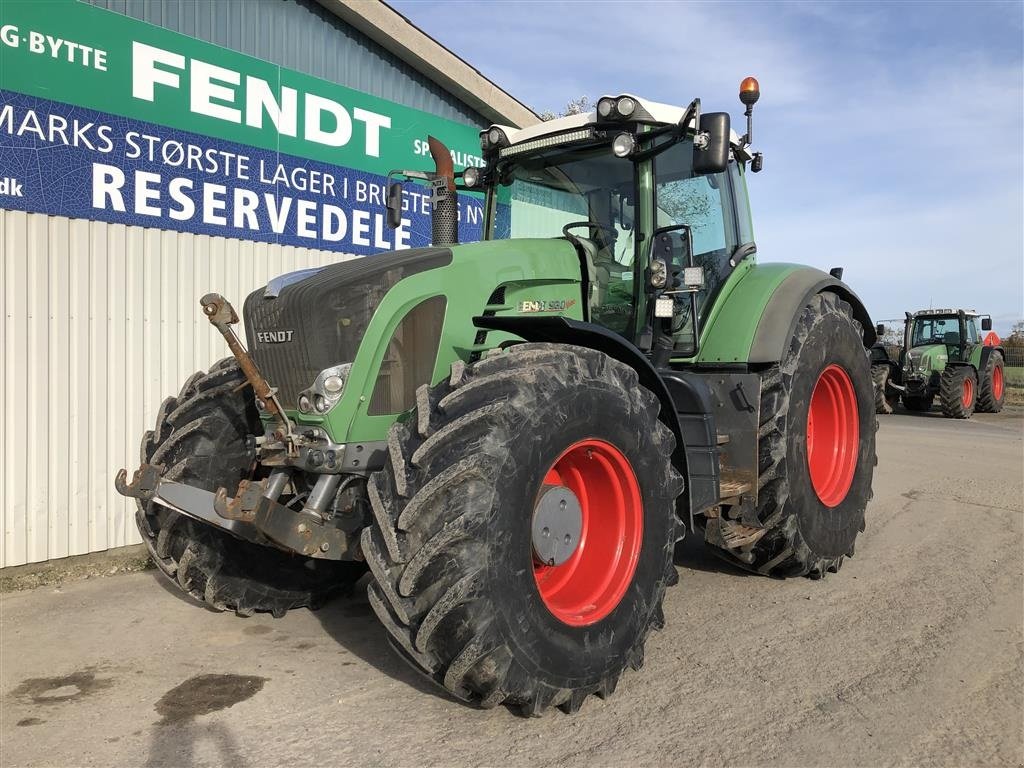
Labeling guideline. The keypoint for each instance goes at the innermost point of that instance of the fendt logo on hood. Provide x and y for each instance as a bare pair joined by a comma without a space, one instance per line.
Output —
273,337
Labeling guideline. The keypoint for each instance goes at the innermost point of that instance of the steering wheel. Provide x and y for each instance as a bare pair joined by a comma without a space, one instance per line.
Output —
592,225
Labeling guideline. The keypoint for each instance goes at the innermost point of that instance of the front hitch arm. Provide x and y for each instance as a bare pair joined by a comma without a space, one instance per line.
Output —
222,316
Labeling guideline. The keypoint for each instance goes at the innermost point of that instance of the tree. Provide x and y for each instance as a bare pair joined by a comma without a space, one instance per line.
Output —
576,106
1016,337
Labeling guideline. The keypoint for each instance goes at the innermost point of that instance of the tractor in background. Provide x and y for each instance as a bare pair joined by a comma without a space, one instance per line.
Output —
943,356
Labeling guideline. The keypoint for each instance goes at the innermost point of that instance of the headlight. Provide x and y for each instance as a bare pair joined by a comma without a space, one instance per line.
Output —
623,145
605,107
326,390
625,106
471,177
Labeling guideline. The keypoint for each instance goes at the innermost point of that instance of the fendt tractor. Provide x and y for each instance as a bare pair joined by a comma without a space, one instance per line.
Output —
942,355
511,435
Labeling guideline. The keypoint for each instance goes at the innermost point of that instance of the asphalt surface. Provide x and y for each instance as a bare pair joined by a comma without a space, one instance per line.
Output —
912,654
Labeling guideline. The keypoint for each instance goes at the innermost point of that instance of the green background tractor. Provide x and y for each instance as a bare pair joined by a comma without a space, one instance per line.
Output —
943,355
513,434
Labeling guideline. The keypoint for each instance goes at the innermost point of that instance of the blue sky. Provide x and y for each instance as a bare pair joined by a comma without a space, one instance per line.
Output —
891,131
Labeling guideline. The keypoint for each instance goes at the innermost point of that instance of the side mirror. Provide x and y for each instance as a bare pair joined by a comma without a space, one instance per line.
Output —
986,323
395,205
880,329
714,157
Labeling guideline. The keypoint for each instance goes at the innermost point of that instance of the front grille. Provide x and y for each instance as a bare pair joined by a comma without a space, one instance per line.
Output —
327,314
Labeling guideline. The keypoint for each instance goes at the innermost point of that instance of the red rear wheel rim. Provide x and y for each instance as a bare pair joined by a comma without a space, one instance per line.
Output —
997,383
587,587
833,435
968,394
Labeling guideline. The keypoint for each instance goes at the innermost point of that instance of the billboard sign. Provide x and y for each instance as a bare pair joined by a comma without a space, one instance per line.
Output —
108,118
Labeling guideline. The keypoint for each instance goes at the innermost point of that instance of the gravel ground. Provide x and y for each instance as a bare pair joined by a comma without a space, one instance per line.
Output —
912,654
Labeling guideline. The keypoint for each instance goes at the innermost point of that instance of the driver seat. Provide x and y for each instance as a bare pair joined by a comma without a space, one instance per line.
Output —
597,275
952,341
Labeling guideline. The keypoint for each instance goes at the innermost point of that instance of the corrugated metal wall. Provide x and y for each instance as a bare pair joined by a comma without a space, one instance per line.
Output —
304,36
100,323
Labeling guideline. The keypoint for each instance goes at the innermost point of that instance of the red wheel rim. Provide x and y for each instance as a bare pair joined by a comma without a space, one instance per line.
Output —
968,394
833,435
587,587
997,383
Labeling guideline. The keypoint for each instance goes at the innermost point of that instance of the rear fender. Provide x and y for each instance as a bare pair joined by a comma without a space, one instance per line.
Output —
780,316
986,353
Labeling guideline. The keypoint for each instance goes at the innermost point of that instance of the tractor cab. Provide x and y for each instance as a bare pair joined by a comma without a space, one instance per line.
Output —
653,198
943,335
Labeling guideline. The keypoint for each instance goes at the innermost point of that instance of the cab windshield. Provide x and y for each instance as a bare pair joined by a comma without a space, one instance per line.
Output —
935,330
538,194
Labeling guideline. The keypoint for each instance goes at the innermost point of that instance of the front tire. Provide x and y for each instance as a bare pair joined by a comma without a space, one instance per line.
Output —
992,388
884,401
203,437
816,452
452,552
958,391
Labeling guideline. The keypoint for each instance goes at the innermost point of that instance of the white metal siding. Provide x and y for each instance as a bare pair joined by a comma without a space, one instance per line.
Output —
100,323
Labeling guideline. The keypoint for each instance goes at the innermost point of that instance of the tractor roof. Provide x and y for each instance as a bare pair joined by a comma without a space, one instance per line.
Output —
647,112
945,311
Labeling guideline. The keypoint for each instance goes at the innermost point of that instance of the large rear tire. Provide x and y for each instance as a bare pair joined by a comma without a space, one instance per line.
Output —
204,438
958,392
992,388
816,452
452,551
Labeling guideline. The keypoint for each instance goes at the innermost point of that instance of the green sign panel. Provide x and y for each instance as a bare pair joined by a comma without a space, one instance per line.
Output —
67,51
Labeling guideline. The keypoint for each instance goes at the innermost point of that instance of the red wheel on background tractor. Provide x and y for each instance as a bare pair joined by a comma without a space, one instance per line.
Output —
992,387
958,391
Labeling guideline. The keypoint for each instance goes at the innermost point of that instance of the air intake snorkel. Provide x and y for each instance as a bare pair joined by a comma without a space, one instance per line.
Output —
444,220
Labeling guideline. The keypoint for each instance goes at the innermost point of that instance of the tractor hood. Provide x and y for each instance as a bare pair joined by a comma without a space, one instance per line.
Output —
929,357
305,322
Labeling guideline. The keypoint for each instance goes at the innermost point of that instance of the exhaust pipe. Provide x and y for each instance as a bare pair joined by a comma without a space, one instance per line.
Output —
444,223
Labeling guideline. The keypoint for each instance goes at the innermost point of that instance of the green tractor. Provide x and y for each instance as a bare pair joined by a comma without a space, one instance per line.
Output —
512,435
943,355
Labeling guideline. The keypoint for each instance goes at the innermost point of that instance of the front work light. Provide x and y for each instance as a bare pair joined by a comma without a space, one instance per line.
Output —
623,145
605,107
471,177
625,106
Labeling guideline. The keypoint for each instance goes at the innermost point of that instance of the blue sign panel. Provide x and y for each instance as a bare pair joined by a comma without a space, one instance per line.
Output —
69,161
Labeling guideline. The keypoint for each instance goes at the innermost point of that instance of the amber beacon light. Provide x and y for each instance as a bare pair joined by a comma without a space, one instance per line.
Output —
750,91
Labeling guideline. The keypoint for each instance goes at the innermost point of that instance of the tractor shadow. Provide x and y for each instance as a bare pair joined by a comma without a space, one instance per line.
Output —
934,413
350,621
692,553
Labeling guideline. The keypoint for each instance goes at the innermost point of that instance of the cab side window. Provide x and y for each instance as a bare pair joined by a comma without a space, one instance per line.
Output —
972,331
